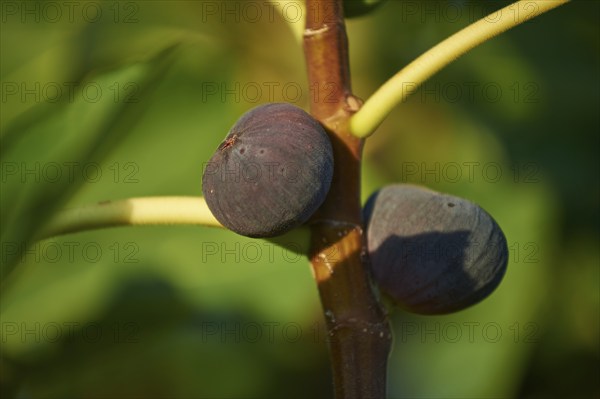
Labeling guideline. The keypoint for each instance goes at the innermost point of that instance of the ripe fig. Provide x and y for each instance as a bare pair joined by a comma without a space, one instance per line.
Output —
433,253
271,173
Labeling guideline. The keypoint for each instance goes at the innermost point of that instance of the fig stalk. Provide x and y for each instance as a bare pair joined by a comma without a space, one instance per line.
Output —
358,329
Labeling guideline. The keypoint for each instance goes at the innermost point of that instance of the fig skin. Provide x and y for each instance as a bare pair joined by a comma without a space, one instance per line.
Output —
271,173
433,253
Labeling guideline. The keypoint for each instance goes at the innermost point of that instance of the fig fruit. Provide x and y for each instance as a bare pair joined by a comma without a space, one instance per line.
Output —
271,173
432,253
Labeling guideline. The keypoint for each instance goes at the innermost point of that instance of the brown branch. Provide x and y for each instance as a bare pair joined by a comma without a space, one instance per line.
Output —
358,330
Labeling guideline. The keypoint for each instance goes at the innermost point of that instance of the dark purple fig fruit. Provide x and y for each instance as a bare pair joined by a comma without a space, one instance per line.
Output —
432,253
271,173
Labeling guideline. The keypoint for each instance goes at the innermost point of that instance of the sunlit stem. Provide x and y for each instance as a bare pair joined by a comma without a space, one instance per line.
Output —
131,212
405,82
293,13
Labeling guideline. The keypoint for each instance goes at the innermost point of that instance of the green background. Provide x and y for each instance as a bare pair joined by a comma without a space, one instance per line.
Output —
110,100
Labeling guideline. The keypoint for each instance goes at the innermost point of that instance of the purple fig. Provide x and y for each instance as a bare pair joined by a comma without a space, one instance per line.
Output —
433,253
271,173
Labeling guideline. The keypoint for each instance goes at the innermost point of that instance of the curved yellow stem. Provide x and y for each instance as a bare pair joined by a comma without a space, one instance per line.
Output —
131,212
405,82
293,13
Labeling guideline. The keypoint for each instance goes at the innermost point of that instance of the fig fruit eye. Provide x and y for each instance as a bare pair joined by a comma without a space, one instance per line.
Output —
433,253
271,172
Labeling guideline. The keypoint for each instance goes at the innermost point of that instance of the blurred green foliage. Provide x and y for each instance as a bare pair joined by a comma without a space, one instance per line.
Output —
109,100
